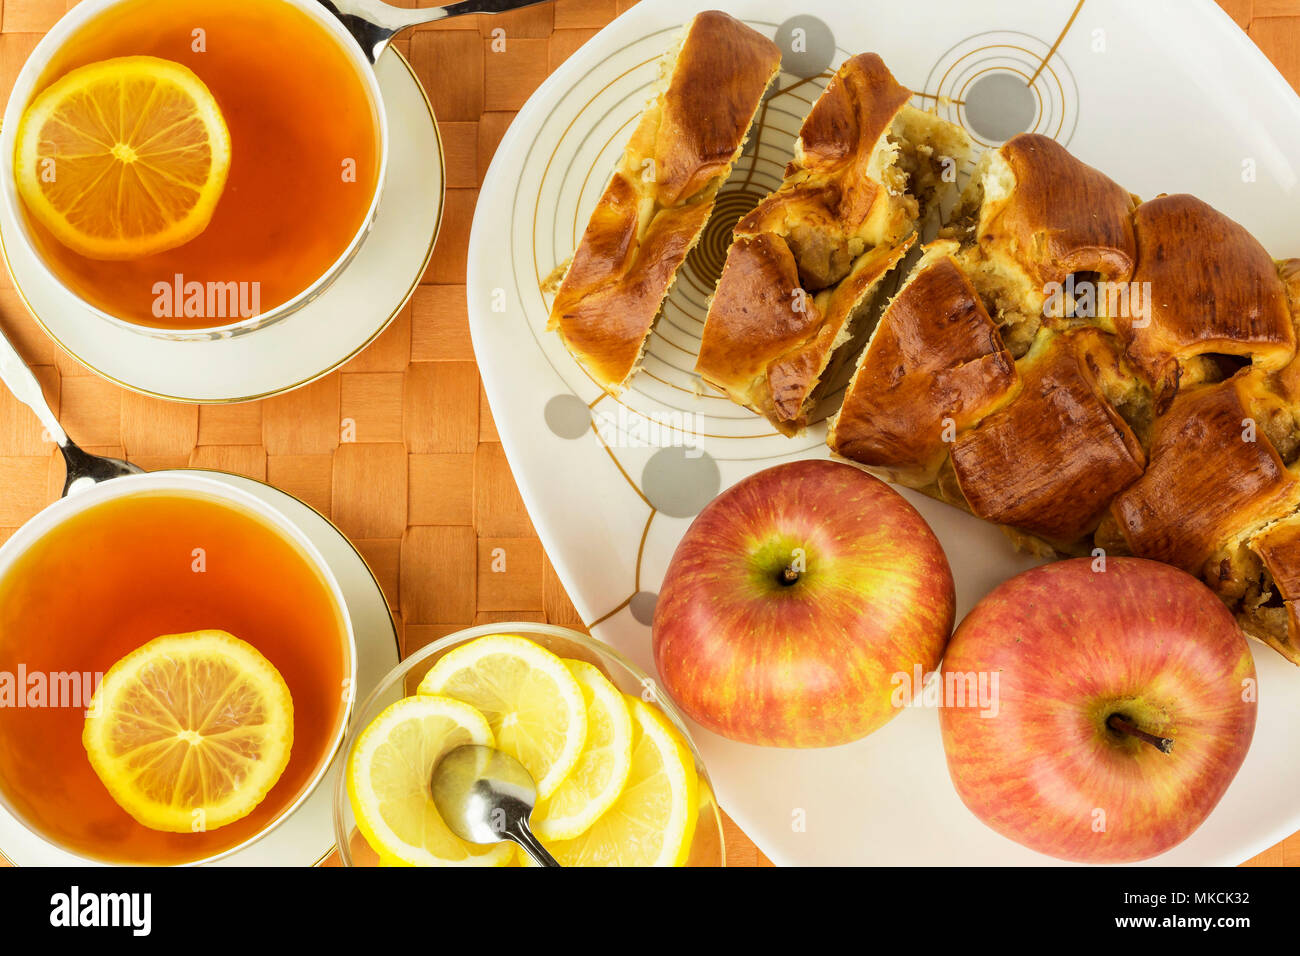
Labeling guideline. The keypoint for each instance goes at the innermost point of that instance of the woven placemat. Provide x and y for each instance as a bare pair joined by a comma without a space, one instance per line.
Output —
422,485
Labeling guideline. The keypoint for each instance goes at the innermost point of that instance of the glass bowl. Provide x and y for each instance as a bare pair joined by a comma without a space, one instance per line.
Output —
707,849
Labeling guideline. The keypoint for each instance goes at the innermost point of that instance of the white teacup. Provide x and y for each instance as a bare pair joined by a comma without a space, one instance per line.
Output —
32,78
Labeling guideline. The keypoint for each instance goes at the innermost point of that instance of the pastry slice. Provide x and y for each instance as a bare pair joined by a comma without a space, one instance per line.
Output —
1032,216
1256,571
656,204
1269,611
1287,380
805,263
1213,291
1051,461
1214,475
934,367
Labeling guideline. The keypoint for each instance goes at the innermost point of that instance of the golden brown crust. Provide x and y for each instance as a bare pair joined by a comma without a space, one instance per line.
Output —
1210,387
1064,216
852,114
1213,290
1050,462
605,318
758,289
1211,476
807,260
1278,548
935,366
828,197
1288,270
1032,216
776,339
644,226
1288,379
708,107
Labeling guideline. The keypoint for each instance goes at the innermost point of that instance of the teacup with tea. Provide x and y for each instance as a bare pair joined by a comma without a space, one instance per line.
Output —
176,670
184,165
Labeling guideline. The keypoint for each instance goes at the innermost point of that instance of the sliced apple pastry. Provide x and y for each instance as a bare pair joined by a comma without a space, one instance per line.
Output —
806,263
655,206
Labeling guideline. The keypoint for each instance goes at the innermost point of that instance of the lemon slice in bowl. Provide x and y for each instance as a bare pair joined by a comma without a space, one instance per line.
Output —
597,779
533,704
652,823
388,776
190,731
124,158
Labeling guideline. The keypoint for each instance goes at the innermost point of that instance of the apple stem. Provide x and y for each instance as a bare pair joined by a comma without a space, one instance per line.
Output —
788,576
1119,724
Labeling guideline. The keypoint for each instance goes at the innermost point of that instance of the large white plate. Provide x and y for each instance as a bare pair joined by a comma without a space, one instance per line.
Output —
311,342
307,836
1164,95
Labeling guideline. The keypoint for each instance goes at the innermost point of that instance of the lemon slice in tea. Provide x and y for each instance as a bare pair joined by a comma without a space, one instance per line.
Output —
388,783
652,823
532,702
597,779
191,731
124,158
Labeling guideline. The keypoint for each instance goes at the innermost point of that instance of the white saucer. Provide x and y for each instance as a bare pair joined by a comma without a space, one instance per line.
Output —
307,344
307,836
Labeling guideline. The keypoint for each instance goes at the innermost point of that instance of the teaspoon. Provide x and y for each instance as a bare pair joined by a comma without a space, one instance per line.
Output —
487,796
374,22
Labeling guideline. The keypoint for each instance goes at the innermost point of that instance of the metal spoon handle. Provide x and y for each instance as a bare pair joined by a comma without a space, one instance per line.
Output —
523,835
461,8
20,380
374,22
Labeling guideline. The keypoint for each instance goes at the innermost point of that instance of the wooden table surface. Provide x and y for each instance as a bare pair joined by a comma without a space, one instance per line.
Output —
424,490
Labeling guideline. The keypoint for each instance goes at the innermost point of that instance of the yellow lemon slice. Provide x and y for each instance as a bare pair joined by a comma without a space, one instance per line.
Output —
190,731
597,779
388,783
652,822
124,158
533,704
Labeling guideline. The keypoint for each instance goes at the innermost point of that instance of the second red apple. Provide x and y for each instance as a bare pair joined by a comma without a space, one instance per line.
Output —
795,604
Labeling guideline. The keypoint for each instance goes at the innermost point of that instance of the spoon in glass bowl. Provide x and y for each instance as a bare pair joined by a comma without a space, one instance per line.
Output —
487,796
374,22
84,469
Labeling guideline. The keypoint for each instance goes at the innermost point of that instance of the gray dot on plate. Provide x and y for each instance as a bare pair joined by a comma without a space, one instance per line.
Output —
807,46
568,416
680,481
642,606
1000,105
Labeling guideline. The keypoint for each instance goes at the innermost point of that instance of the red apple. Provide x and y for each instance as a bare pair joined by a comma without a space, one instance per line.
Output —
795,604
1096,670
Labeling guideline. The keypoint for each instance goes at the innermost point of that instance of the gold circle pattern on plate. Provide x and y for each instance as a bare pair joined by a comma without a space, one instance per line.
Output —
1034,61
